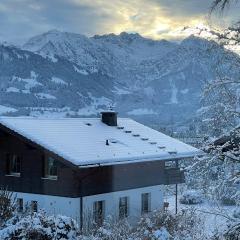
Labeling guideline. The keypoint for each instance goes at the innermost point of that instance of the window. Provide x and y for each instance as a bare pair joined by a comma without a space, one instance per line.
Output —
146,203
50,168
170,164
123,207
13,165
20,205
34,206
98,212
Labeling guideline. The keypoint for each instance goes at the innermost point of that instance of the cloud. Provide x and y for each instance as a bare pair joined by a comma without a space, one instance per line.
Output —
21,19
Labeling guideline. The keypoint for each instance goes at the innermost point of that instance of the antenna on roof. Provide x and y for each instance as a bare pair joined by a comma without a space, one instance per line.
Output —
110,107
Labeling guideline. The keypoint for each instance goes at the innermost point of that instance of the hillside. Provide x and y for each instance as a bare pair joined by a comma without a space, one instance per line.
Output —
155,82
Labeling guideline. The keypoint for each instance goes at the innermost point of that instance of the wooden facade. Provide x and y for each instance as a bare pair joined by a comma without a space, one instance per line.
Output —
72,180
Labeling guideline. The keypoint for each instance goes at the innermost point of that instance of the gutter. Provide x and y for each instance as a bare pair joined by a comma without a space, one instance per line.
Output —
129,161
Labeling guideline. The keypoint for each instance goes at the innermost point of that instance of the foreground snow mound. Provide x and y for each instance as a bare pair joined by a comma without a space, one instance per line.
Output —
39,226
191,197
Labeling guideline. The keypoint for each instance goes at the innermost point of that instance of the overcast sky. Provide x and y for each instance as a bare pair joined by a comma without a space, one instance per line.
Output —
21,19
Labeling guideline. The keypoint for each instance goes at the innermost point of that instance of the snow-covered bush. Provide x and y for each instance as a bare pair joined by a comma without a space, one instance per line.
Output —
157,225
217,175
232,233
39,226
156,222
236,213
112,230
191,197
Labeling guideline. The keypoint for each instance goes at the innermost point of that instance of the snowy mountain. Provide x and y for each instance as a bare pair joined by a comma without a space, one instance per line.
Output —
155,82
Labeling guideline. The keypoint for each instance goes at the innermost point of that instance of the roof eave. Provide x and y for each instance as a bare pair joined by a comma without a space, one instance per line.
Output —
110,162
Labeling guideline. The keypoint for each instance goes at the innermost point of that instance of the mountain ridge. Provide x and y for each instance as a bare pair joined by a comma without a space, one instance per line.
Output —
80,76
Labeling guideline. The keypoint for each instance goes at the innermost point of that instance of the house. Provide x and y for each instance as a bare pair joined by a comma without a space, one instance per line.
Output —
88,167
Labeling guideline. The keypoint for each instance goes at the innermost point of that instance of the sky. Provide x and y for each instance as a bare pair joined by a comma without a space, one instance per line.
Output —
157,19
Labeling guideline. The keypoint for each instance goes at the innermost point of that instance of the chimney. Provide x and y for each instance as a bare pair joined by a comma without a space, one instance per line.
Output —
109,118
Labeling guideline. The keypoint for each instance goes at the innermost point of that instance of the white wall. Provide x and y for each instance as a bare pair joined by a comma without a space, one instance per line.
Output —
134,200
71,206
53,204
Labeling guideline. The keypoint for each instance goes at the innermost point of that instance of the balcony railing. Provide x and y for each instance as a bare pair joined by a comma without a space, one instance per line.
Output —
174,176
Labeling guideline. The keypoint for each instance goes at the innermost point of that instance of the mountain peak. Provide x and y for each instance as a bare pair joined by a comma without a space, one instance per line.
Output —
130,35
122,38
55,31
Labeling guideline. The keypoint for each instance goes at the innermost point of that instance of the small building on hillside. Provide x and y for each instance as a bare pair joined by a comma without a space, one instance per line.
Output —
88,168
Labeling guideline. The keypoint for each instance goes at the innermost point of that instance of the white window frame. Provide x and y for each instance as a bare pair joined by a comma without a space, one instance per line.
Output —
145,196
46,174
10,158
98,216
123,203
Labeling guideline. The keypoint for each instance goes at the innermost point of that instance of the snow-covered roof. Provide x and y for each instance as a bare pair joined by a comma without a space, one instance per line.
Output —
82,141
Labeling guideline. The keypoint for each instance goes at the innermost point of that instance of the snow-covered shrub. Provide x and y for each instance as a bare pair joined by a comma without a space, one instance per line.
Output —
191,197
217,176
114,230
185,225
232,233
236,213
39,226
157,225
153,223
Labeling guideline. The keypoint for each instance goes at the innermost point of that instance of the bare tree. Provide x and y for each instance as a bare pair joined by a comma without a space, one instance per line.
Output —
7,205
221,4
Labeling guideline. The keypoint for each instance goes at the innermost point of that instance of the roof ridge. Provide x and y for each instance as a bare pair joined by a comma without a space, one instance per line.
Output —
56,118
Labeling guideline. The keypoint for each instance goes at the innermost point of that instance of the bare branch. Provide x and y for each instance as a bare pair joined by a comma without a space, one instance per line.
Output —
216,214
221,5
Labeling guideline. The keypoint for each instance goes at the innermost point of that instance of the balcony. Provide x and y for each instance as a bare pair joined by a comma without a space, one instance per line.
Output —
174,176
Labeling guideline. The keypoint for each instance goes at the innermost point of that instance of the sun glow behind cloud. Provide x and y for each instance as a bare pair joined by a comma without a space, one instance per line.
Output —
148,18
21,19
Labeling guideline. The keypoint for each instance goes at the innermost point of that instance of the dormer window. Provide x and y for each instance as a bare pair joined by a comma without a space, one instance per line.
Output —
13,165
50,168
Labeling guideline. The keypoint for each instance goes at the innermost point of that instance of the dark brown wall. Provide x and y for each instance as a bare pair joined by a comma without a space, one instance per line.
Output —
31,180
122,177
72,181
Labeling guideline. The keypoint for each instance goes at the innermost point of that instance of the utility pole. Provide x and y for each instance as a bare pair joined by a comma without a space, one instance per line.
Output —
176,200
176,192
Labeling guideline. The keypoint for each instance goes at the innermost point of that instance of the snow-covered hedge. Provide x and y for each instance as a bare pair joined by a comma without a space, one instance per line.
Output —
158,225
191,197
39,226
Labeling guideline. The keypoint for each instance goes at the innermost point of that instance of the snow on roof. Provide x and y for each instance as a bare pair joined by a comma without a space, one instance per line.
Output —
82,141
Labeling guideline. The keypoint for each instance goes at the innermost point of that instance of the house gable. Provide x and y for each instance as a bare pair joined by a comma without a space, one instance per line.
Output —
72,181
32,179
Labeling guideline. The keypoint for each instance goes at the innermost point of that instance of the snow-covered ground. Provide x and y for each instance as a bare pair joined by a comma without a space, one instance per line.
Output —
213,215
